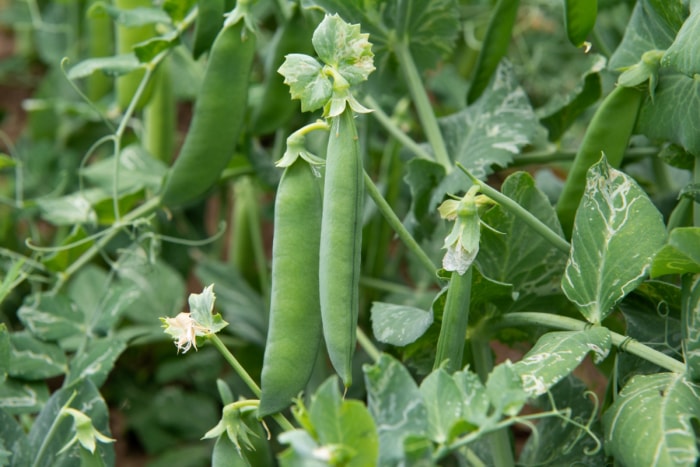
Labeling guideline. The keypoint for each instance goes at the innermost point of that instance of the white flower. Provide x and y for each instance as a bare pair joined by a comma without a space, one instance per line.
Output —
184,331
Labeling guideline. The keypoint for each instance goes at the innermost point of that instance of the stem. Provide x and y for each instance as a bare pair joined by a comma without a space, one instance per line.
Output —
243,374
455,319
526,216
395,131
422,102
368,345
399,228
625,343
499,440
52,431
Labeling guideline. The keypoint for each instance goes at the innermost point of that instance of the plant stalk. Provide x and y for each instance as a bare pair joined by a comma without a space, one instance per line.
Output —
422,103
247,379
455,319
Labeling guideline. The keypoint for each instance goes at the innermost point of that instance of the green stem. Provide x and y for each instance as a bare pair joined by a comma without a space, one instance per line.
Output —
526,216
385,286
395,131
367,345
422,103
243,374
625,343
499,440
455,318
399,228
52,431
256,238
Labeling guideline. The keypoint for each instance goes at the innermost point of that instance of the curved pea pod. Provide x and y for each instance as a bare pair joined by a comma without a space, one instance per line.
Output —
609,133
217,120
294,333
209,20
341,241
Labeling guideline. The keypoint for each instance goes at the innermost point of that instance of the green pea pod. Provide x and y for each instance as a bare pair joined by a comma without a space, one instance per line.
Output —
455,320
609,132
341,240
294,333
217,120
210,17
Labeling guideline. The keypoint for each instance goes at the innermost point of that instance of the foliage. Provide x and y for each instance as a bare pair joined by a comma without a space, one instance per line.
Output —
505,173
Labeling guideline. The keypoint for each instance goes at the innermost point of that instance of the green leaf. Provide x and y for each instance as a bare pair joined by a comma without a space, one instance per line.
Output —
111,66
396,405
147,51
61,259
430,27
202,306
443,401
690,318
51,317
561,113
238,301
302,452
646,31
680,253
519,255
670,116
345,48
494,46
69,210
682,54
306,82
580,19
560,442
345,423
33,360
475,400
490,132
23,397
6,161
399,325
652,315
96,361
616,234
160,289
13,441
505,390
137,170
86,399
650,421
557,354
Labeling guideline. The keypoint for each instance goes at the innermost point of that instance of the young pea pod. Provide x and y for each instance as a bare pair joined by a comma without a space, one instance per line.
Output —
294,333
218,117
341,240
609,133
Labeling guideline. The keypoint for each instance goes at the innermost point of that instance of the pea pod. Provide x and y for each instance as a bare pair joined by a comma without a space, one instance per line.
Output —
341,240
207,25
609,133
218,117
294,333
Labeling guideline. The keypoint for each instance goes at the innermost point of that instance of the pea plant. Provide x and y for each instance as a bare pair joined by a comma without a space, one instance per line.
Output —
437,232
